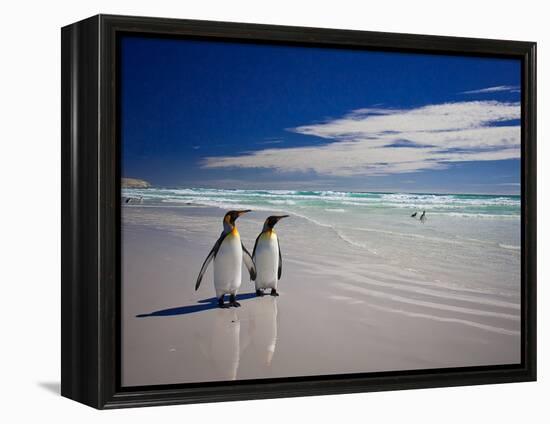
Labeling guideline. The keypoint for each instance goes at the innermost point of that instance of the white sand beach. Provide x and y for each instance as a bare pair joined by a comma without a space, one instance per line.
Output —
365,300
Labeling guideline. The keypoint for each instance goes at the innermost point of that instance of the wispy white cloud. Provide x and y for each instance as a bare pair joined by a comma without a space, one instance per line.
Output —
378,141
495,89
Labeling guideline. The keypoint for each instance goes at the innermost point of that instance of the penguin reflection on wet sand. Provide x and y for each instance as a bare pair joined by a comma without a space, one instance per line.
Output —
228,254
267,257
262,332
220,344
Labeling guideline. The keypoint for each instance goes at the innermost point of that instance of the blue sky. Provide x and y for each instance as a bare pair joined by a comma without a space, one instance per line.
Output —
230,115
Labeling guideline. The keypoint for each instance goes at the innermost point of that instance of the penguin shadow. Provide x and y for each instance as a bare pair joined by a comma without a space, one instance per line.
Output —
202,305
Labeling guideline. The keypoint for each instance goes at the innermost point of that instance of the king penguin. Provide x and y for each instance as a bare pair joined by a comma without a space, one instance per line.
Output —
267,257
228,253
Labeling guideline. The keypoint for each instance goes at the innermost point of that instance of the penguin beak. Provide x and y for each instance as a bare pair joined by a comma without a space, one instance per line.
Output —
282,216
239,213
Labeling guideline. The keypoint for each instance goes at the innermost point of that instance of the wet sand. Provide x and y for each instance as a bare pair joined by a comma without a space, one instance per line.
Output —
342,309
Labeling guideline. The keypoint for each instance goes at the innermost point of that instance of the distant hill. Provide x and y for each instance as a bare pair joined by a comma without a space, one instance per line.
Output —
134,183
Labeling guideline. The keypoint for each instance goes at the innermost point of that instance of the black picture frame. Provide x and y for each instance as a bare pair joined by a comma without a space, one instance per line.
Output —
90,286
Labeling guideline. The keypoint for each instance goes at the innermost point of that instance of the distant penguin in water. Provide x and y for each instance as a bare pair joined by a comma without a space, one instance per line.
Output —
228,253
414,215
267,257
133,199
423,217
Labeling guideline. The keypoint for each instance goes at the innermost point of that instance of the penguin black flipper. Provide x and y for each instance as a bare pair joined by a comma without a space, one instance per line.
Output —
209,258
255,245
249,263
280,270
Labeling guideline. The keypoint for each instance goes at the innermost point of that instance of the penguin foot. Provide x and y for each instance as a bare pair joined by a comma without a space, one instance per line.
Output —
274,292
233,302
259,293
221,304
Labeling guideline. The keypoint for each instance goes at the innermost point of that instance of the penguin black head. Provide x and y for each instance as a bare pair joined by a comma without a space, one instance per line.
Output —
272,220
231,216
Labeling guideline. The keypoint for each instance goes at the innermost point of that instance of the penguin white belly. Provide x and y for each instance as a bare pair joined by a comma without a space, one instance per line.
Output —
267,261
228,265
